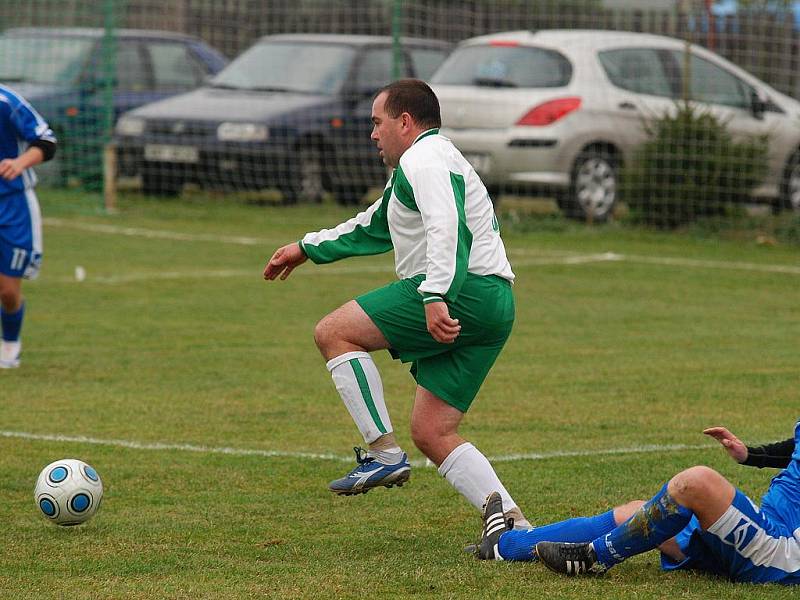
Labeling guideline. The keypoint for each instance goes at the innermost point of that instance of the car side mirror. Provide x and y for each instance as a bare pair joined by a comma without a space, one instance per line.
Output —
758,106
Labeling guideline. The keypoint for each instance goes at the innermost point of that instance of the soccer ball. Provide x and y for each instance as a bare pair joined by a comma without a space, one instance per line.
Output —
68,492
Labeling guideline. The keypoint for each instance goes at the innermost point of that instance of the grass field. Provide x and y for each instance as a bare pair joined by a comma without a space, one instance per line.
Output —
195,389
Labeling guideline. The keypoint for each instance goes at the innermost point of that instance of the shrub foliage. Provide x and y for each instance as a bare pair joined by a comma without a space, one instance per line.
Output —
690,167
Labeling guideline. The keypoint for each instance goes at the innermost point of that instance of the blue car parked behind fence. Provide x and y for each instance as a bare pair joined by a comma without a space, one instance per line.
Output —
64,73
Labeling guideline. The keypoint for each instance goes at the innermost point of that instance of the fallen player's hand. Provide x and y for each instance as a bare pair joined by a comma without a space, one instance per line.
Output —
733,445
284,261
443,329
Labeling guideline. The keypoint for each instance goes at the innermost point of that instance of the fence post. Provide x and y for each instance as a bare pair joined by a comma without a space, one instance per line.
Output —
397,26
110,178
107,118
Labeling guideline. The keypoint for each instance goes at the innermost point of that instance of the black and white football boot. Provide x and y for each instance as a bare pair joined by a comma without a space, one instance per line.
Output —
569,558
494,525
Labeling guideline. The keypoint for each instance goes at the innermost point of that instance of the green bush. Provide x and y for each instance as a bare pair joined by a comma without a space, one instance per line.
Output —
689,168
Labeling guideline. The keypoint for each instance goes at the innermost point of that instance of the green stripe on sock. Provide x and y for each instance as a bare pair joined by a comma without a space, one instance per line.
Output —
366,394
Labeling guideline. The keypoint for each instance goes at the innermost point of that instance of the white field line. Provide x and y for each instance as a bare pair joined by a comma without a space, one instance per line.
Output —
549,258
355,269
326,270
155,233
162,446
711,264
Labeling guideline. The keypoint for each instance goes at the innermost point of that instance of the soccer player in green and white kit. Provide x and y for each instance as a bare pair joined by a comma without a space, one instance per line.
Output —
449,314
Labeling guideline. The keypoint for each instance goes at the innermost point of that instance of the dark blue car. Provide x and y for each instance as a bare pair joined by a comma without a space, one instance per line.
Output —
62,72
292,112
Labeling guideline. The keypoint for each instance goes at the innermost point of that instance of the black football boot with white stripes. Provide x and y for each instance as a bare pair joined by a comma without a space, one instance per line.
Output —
494,525
569,558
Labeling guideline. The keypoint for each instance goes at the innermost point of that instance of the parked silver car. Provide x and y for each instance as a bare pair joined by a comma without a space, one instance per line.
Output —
563,109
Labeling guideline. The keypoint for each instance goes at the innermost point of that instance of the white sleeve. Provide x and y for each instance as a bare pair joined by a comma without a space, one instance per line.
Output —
436,194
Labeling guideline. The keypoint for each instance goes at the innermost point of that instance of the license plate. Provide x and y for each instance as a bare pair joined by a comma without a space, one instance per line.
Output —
168,153
479,162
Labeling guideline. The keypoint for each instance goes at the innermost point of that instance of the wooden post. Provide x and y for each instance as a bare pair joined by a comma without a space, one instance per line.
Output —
110,177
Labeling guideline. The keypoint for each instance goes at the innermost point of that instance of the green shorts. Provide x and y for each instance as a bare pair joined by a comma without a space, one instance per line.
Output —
454,372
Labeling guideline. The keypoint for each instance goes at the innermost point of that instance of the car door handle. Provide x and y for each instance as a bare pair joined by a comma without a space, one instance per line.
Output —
627,106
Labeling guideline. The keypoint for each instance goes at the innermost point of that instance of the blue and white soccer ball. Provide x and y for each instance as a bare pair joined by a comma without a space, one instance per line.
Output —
68,492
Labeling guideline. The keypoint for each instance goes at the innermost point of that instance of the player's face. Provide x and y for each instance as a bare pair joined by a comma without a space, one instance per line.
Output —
390,134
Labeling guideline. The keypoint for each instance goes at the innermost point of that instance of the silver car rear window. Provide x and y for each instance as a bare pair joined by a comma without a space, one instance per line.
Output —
499,65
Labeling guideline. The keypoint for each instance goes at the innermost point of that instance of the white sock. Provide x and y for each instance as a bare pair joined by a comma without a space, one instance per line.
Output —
472,475
391,456
357,380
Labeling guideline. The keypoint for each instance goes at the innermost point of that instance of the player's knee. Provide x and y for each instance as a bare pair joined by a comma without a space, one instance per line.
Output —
322,334
9,298
693,483
625,511
420,436
424,434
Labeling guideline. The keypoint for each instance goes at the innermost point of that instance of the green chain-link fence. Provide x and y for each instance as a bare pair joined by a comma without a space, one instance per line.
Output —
292,114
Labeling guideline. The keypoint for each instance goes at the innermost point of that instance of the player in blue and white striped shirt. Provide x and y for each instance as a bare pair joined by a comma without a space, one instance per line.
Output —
25,140
698,520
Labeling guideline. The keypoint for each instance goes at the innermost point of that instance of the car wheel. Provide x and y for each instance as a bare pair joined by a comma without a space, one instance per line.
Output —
158,185
790,190
593,189
309,180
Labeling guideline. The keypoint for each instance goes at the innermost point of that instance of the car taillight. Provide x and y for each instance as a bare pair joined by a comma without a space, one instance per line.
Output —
550,111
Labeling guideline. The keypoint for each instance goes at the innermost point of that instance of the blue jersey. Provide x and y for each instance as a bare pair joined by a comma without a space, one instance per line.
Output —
749,544
20,124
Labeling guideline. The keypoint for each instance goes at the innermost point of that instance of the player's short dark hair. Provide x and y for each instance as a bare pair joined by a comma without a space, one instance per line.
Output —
414,97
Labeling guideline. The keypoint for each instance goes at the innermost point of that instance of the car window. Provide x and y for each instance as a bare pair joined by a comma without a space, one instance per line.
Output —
426,61
505,66
173,67
713,84
41,59
639,70
316,68
133,74
376,69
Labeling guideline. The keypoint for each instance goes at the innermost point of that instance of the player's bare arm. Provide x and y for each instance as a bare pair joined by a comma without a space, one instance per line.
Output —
443,328
735,448
284,261
11,168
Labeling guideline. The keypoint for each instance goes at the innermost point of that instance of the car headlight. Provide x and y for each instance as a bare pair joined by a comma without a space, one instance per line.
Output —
242,132
130,126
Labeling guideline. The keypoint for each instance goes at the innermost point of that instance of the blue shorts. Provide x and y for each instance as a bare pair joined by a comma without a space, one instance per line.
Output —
748,544
745,545
20,235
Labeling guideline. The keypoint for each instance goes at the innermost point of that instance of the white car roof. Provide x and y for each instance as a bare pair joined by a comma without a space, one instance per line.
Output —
576,38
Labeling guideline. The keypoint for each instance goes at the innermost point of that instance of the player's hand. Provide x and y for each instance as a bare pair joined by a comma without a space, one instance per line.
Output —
284,261
10,168
443,329
735,448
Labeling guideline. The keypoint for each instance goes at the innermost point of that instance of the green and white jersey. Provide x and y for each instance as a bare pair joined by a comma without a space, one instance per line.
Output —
435,213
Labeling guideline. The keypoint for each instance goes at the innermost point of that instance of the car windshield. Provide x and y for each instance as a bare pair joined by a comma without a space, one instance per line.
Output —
41,59
504,66
312,68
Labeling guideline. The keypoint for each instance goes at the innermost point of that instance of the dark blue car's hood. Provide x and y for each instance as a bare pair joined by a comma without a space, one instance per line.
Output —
214,104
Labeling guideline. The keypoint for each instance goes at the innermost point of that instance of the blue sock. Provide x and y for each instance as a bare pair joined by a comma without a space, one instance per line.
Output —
519,544
659,519
12,323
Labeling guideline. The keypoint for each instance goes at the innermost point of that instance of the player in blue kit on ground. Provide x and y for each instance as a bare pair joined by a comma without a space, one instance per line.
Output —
25,140
698,520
